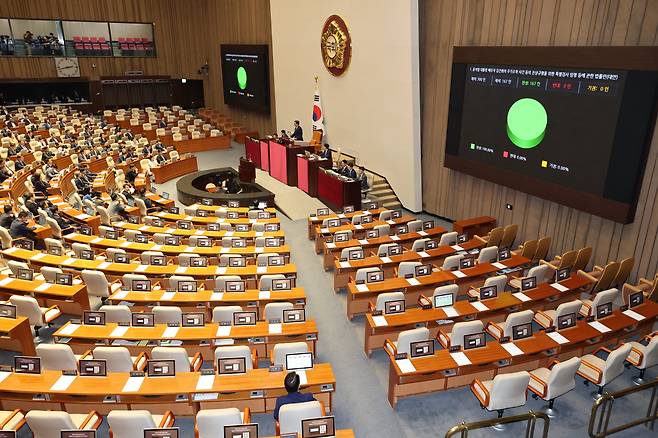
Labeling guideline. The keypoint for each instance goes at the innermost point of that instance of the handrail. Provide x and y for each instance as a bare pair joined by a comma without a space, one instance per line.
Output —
606,403
529,417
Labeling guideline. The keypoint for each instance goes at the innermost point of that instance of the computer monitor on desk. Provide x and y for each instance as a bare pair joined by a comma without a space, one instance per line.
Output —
92,367
603,310
323,427
474,340
521,331
443,300
566,321
299,361
231,365
144,319
161,368
635,299
488,292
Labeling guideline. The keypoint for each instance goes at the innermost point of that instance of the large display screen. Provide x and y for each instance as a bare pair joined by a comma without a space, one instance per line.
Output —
245,76
575,135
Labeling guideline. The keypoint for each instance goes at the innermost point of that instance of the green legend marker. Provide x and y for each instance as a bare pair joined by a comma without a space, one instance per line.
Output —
242,78
526,123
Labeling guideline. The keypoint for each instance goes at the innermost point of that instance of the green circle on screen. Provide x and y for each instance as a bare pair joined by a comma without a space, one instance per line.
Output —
242,78
526,123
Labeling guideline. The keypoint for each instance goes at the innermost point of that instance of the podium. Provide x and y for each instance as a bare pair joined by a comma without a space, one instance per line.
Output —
283,161
336,193
247,170
307,173
252,150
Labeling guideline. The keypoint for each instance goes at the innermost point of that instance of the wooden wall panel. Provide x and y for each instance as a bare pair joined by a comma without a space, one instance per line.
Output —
239,22
448,23
181,43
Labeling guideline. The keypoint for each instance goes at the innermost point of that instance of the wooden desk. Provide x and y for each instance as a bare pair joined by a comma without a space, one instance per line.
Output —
307,173
147,229
337,193
158,394
173,250
344,270
543,297
242,211
77,216
250,273
440,372
340,433
357,300
202,144
357,230
70,299
16,335
174,169
480,226
332,249
315,220
172,218
206,300
194,339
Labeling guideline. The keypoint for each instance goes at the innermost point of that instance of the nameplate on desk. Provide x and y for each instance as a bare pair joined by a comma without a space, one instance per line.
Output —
205,382
362,287
423,254
43,287
119,331
631,314
63,383
596,325
499,265
325,230
512,349
450,311
344,264
144,228
363,241
480,306
82,216
69,329
458,274
559,287
170,332
557,337
168,296
521,297
413,281
460,358
379,321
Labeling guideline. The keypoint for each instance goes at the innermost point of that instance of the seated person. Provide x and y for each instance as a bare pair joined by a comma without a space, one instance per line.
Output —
233,185
326,152
19,229
361,176
343,169
159,158
40,187
31,204
66,226
291,382
19,163
141,194
350,173
116,208
131,174
7,217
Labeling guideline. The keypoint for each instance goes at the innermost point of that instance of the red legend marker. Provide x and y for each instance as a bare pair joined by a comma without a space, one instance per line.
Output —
505,154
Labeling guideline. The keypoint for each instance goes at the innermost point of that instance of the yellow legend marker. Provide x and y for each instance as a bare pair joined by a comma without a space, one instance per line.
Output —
544,163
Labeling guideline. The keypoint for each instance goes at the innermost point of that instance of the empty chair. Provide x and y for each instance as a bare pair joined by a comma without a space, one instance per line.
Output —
344,253
127,280
78,248
6,238
419,244
503,392
590,307
265,282
119,359
362,274
405,338
603,371
49,424
541,252
185,259
237,351
130,235
38,316
274,311
452,262
227,242
505,328
253,214
194,240
385,215
448,238
14,266
106,219
220,282
602,277
210,422
488,254
262,259
116,313
509,236
182,362
527,249
131,424
145,257
459,330
50,242
224,313
291,416
566,260
625,268
549,318
54,227
382,250
542,273
57,357
160,238
643,356
554,381
279,352
175,279
500,281
493,238
415,226
49,273
110,253
12,420
582,259
405,269
167,314
382,299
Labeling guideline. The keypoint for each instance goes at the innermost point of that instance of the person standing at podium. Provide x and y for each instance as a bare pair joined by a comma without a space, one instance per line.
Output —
297,134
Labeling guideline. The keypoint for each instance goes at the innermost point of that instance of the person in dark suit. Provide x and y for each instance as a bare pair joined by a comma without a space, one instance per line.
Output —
39,185
7,217
291,382
326,152
350,173
19,229
343,168
361,176
19,163
31,204
233,185
81,184
160,159
131,174
162,124
297,134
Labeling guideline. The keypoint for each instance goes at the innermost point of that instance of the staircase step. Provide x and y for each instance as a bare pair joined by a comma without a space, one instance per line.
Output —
392,205
391,198
382,193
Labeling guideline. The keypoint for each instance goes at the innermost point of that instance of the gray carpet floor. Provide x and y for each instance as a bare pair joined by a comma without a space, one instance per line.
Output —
360,401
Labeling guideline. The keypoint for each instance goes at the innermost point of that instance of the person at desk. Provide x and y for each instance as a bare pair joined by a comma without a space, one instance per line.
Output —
291,382
233,185
326,153
82,185
141,194
30,204
162,124
159,147
160,159
297,133
350,172
131,174
38,183
7,217
19,229
115,207
64,225
284,134
19,163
